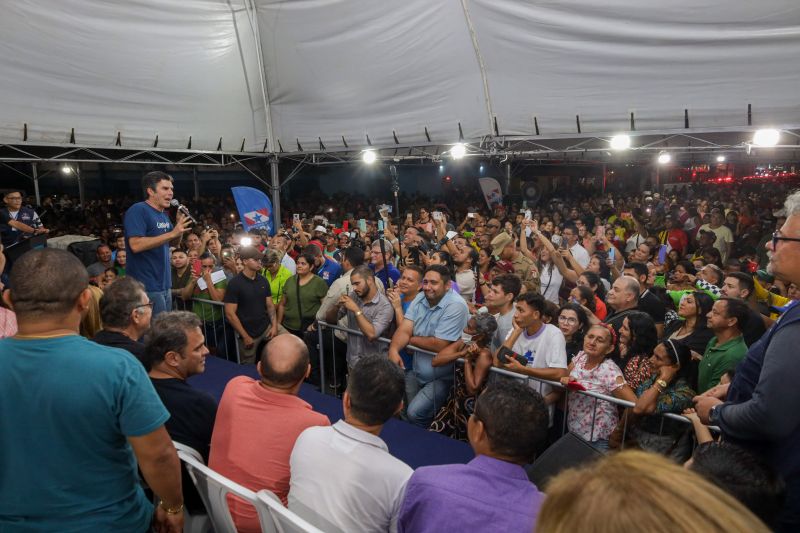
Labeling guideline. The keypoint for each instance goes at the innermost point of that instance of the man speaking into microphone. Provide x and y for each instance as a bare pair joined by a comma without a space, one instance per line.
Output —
148,234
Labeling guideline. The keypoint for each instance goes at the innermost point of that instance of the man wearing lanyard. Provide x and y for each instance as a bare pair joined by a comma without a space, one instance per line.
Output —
16,219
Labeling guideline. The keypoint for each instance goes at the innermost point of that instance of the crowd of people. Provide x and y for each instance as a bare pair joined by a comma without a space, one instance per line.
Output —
485,325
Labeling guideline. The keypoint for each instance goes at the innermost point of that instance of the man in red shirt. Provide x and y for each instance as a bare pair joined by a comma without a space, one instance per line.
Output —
675,237
258,423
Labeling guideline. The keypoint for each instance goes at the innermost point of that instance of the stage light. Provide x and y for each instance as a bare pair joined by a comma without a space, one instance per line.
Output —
620,142
720,159
458,151
246,241
369,156
481,169
441,168
66,169
664,158
766,137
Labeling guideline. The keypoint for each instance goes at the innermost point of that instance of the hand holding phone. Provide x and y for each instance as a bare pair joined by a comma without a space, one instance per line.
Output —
197,268
504,354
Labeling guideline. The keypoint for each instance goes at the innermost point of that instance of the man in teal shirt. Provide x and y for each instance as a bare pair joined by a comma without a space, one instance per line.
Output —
726,319
76,417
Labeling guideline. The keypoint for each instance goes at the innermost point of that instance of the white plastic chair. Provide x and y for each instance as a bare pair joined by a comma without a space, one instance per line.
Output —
274,517
214,489
197,522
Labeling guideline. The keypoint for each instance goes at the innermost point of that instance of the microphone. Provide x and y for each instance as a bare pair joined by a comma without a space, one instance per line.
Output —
183,209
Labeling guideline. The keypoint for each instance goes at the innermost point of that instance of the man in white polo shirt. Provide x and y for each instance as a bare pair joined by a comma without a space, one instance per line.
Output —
343,477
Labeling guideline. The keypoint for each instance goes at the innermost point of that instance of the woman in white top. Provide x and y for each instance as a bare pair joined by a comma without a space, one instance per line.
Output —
550,277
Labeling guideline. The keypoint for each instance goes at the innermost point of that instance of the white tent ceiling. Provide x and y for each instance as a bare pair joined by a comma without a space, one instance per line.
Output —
333,69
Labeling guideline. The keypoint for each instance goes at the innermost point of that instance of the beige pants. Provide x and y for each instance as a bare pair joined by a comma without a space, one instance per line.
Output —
247,356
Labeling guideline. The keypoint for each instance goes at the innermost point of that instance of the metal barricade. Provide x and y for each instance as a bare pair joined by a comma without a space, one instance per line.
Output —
217,329
502,372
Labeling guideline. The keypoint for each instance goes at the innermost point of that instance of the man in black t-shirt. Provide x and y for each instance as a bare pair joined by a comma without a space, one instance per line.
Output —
648,302
249,307
175,350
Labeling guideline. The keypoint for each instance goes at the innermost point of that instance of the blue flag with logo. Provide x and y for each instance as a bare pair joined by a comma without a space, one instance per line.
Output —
255,209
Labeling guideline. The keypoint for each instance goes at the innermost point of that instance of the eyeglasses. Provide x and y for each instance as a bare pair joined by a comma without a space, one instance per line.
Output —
492,226
14,198
148,304
568,320
777,237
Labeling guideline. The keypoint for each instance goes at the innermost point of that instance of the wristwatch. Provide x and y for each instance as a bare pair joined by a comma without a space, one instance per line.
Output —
713,415
661,383
359,313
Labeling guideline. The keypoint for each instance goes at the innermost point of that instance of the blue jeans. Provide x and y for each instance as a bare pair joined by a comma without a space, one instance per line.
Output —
162,301
430,398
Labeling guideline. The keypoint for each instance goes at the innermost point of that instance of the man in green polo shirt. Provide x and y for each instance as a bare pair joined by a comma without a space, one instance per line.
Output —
726,319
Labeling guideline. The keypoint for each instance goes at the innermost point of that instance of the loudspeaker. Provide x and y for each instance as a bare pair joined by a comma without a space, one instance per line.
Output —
530,192
567,452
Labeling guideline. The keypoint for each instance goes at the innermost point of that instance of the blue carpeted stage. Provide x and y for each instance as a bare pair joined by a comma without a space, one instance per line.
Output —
412,445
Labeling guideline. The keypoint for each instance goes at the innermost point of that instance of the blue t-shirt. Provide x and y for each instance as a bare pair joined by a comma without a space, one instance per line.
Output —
445,320
330,271
66,407
385,274
151,267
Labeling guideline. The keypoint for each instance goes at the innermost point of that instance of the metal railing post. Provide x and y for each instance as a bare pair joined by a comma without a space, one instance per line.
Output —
321,350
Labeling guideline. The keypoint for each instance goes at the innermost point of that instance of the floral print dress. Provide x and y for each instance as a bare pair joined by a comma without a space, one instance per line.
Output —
605,378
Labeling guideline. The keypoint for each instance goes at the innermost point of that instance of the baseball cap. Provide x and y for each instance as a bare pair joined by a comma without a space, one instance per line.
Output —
250,252
95,270
504,266
321,229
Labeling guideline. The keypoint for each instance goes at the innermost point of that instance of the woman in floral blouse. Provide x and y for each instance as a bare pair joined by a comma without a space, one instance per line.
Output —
637,340
592,369
666,391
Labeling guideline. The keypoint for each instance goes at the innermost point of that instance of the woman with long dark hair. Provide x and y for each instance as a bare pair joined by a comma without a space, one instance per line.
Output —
637,340
573,323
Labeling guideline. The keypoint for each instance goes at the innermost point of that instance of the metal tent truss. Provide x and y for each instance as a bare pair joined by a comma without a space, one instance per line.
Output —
683,145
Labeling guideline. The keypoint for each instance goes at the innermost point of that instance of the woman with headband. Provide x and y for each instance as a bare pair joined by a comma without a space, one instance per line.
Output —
593,370
666,391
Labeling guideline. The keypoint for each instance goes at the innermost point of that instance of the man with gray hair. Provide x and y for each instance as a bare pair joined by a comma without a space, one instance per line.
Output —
125,311
368,310
175,350
380,254
623,298
758,409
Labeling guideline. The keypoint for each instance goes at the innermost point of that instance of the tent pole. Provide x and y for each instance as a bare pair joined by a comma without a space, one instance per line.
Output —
276,190
81,193
35,174
196,184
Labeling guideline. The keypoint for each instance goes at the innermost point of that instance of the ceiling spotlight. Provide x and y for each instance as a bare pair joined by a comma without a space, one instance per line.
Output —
481,169
720,159
766,137
369,156
441,168
66,169
620,142
458,151
664,158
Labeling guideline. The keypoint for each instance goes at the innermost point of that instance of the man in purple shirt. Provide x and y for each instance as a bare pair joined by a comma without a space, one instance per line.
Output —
492,492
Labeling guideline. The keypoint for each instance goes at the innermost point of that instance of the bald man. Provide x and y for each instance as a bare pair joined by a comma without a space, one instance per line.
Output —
258,422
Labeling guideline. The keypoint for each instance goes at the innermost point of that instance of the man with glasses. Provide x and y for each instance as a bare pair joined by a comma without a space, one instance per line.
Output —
16,219
125,311
758,409
492,228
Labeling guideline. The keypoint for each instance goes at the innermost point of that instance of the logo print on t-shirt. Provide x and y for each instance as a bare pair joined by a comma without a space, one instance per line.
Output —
529,356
